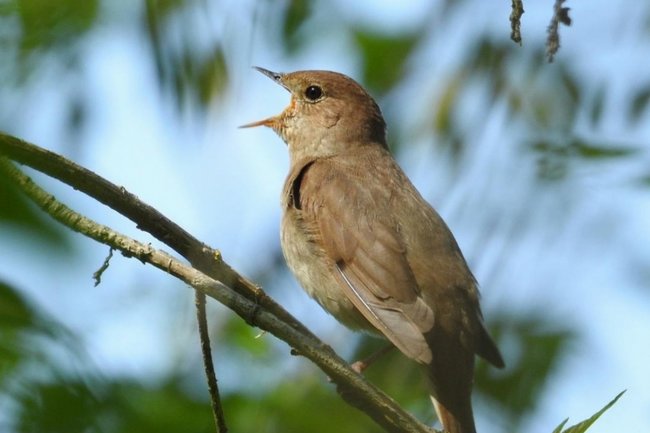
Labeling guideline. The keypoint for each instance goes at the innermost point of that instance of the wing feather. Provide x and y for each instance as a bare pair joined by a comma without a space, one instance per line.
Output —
368,258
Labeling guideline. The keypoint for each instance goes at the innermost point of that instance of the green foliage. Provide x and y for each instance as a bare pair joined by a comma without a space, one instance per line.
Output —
33,30
193,77
583,426
534,349
301,403
296,14
17,212
639,104
47,24
556,159
384,58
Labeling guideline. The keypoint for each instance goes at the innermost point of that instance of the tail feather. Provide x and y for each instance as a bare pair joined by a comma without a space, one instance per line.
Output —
462,421
451,375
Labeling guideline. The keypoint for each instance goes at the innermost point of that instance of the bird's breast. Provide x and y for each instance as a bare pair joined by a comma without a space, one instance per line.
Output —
315,271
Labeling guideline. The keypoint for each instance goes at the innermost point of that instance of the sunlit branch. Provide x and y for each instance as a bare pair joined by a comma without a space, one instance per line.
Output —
352,387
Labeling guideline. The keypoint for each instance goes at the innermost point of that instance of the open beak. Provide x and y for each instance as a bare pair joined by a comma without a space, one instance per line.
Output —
271,121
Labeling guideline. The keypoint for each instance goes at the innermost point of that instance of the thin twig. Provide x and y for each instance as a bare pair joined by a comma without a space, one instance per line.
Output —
208,364
560,15
97,275
515,20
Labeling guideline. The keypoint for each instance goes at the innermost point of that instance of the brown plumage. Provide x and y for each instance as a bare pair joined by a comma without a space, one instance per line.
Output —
364,243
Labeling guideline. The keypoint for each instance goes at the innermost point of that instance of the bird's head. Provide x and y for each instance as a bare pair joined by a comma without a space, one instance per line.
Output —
329,113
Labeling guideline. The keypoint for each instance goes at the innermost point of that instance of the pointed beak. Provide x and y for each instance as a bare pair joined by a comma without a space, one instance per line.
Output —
271,121
275,76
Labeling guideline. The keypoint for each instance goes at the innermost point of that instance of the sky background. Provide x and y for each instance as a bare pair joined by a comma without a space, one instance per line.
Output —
576,251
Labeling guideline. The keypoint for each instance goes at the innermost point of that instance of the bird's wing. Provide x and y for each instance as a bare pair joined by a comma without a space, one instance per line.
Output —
357,232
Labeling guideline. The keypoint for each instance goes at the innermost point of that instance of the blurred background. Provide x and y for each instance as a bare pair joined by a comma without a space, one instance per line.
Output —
541,170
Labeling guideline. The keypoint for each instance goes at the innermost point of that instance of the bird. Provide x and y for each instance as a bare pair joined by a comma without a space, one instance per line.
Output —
365,244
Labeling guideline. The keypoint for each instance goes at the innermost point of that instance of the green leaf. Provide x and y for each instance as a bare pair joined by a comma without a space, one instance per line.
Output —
559,428
581,148
639,104
588,150
16,314
582,427
212,77
237,335
297,12
17,211
46,23
597,105
62,407
384,58
537,347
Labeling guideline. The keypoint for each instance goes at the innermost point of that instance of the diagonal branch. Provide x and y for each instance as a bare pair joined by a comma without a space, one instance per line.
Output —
352,387
147,218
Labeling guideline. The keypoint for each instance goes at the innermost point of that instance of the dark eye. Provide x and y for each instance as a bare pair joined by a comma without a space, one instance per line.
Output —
313,93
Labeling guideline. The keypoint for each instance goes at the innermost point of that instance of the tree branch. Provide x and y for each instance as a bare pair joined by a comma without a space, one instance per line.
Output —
147,218
252,305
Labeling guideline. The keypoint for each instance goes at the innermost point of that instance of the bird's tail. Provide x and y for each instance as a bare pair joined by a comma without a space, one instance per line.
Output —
451,375
455,420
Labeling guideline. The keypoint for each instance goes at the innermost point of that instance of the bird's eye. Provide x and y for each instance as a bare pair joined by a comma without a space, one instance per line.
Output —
313,93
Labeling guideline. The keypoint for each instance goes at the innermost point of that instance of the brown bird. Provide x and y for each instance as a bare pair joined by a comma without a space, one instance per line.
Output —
364,243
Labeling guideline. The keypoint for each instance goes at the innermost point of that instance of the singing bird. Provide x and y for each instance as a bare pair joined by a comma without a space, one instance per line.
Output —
363,242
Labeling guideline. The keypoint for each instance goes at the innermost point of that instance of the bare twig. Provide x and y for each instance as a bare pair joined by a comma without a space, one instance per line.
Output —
352,387
213,387
97,275
560,15
515,20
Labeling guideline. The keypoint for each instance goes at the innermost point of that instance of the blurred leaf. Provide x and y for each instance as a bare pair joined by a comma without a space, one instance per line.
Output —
132,407
569,85
596,109
533,348
16,318
639,104
444,111
488,60
645,180
300,404
238,335
47,24
578,147
297,12
556,157
600,151
401,378
384,58
110,405
23,329
16,314
192,74
65,407
17,211
212,77
584,425
488,55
